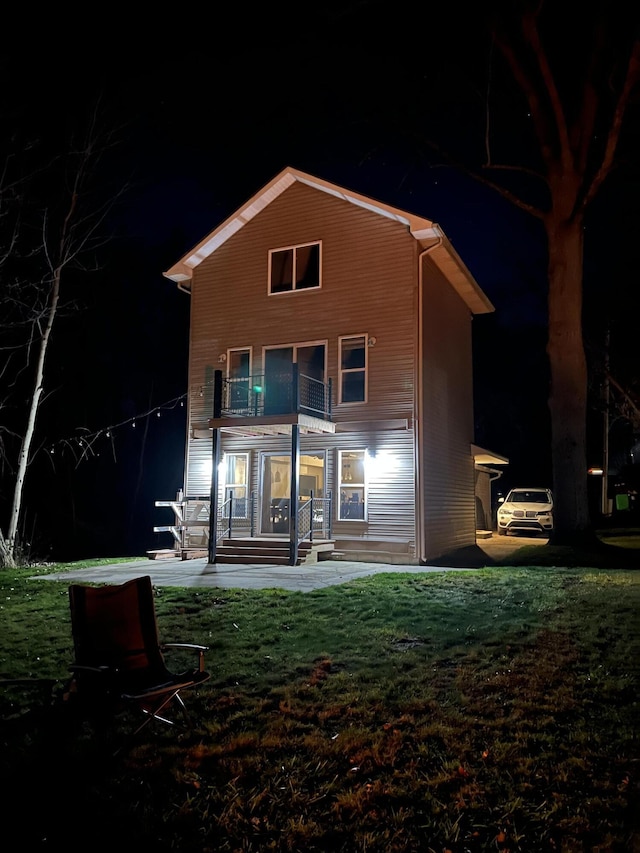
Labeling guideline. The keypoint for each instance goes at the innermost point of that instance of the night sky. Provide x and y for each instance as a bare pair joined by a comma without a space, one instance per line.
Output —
204,113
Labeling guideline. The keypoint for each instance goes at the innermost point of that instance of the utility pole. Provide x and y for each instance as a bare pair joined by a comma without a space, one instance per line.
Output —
605,428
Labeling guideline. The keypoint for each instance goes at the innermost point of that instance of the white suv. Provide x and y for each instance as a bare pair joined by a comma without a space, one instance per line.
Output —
527,511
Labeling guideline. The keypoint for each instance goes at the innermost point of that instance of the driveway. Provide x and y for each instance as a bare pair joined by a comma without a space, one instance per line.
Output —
501,547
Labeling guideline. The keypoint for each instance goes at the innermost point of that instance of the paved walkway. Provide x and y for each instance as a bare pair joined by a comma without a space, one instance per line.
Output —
197,573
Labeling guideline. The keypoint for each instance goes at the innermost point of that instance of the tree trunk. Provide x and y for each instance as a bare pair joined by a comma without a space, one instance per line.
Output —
9,545
568,391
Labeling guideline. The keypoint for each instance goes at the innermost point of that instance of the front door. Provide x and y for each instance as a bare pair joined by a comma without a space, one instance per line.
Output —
276,487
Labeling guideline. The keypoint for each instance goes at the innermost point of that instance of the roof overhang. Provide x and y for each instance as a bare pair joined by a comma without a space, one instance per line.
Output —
427,233
486,457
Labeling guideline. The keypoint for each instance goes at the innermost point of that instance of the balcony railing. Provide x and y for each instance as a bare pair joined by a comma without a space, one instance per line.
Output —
282,393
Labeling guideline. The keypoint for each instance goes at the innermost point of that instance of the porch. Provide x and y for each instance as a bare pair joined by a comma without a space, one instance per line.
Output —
236,531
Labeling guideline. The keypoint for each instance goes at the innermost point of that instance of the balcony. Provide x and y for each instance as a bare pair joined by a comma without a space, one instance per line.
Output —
271,403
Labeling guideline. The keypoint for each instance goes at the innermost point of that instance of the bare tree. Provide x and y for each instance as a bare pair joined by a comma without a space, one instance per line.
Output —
537,101
56,220
577,117
563,80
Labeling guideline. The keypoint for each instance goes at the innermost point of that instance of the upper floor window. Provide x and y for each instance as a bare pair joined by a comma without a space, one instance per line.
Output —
294,268
353,368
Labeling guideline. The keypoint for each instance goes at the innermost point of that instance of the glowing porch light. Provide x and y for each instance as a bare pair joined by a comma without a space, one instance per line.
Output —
381,464
207,469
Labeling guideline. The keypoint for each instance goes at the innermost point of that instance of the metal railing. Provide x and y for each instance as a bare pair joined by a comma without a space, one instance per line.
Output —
236,515
282,393
224,520
305,520
314,518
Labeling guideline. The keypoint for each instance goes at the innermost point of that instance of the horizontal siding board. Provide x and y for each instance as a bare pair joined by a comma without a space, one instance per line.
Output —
365,259
370,286
448,466
484,519
391,496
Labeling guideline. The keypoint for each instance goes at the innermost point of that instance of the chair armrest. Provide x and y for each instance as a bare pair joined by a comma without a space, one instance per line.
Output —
194,646
98,670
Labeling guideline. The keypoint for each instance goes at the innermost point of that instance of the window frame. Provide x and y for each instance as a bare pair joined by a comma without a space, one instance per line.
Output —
230,351
294,347
230,486
349,371
293,248
344,485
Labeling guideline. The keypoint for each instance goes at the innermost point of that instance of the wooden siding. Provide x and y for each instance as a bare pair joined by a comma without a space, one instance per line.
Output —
369,285
198,461
390,493
484,517
447,468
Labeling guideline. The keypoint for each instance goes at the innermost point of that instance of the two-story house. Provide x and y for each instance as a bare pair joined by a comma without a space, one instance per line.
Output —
330,380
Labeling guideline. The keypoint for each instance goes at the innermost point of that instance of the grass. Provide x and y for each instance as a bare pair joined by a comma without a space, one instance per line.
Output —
494,710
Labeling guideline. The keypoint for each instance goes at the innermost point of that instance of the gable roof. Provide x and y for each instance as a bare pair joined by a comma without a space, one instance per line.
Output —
428,234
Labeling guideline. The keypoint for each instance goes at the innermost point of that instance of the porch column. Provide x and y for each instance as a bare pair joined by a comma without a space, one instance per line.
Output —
295,487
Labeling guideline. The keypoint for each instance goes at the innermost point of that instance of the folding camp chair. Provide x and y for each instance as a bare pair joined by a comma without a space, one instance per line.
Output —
119,660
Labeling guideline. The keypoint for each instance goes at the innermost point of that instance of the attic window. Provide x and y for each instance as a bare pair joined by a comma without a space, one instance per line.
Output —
294,268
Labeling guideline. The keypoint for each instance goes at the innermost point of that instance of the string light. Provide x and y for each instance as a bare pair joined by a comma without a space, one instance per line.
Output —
83,446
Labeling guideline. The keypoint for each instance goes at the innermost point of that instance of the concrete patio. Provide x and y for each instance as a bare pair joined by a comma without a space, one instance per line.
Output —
304,578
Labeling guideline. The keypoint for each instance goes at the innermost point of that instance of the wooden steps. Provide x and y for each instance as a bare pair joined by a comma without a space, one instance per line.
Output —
268,552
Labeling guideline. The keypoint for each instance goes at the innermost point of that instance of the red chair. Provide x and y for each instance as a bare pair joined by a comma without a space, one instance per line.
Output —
119,660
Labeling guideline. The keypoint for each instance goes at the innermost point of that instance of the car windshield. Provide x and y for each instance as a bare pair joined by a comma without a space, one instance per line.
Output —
524,497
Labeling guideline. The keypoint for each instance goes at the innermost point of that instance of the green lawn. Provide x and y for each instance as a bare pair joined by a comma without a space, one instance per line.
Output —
494,710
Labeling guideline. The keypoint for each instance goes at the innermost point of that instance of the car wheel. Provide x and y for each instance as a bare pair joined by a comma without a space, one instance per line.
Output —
502,531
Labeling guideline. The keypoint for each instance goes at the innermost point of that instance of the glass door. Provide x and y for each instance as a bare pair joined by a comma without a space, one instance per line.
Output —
278,373
276,487
278,393
276,493
238,373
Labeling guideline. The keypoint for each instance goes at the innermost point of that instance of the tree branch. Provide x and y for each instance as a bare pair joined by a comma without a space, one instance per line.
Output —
539,115
632,77
487,182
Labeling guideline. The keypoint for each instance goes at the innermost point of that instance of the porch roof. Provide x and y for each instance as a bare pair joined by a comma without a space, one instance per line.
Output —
272,425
